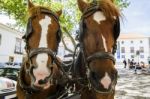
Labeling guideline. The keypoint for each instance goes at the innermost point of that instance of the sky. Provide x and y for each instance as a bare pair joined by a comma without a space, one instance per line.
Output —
136,18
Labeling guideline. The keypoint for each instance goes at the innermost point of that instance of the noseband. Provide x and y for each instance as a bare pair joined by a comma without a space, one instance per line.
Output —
35,52
98,55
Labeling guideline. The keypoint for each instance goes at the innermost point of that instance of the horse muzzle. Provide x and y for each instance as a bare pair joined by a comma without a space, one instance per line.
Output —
43,83
40,79
95,82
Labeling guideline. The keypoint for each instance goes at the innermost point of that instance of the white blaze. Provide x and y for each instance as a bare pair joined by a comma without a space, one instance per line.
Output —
115,17
42,58
44,26
104,43
98,17
106,81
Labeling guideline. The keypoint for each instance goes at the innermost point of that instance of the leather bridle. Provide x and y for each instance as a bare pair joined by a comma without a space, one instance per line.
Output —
29,90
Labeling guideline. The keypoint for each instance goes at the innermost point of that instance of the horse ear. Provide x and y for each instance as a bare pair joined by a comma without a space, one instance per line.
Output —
59,12
112,1
30,4
82,5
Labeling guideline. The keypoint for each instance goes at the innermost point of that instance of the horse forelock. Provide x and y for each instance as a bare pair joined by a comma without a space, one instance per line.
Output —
36,10
109,9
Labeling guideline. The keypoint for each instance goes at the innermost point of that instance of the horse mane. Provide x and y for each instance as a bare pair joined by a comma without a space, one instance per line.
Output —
108,8
36,10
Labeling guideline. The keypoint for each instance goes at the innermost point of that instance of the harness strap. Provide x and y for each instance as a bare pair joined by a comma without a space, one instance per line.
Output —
101,55
36,51
114,48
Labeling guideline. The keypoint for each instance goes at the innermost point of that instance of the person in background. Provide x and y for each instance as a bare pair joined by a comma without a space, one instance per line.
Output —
142,64
149,61
129,63
149,64
132,64
125,63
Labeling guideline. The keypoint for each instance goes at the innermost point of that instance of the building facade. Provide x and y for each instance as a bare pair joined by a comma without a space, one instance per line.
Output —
61,50
133,46
11,44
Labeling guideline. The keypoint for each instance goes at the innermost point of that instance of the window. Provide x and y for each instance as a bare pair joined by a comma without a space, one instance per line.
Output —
11,59
141,56
18,49
132,56
0,39
122,49
141,50
131,41
131,49
123,56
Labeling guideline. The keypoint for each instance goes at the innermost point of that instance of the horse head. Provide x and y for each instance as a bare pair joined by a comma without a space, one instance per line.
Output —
99,30
40,70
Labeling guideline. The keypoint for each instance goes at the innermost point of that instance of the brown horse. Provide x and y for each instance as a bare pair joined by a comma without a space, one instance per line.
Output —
40,74
99,30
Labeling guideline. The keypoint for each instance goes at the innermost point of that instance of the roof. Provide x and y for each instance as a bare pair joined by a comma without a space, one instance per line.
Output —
3,26
132,36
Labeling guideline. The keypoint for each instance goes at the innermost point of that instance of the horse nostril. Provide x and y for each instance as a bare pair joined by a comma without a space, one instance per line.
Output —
42,81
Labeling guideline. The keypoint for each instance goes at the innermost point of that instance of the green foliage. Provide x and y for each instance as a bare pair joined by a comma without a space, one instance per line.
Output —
122,3
17,9
69,18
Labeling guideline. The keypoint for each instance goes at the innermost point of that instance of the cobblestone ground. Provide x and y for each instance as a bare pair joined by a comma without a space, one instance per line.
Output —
131,85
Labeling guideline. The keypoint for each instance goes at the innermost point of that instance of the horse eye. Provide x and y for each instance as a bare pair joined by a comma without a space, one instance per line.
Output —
27,65
114,73
51,67
93,63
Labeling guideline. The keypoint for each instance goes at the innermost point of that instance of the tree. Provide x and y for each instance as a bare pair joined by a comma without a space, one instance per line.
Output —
17,10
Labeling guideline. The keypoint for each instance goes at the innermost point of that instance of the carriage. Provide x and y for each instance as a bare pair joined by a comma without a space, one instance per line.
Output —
92,75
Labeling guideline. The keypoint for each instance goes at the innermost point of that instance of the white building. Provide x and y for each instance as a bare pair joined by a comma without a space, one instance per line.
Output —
61,50
128,44
11,44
